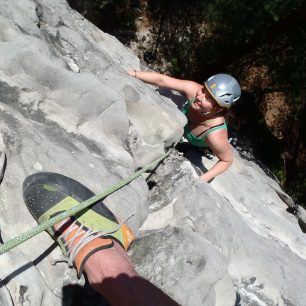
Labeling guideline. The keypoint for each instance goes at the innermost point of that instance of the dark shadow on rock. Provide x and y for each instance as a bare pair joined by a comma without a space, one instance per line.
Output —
291,210
238,299
28,265
45,253
246,151
194,155
294,211
5,296
76,295
177,98
3,161
302,226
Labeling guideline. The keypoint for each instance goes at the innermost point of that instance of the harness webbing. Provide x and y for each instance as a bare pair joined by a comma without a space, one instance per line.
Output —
10,244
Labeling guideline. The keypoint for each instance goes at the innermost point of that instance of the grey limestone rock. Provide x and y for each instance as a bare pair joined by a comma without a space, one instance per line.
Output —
259,245
67,105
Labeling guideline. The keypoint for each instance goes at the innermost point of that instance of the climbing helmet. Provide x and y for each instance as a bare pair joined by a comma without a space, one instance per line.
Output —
224,88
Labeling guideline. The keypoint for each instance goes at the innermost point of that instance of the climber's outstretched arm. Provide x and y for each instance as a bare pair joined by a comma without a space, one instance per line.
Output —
187,88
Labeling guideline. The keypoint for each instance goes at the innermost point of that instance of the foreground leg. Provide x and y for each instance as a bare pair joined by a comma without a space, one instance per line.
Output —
111,273
109,270
94,241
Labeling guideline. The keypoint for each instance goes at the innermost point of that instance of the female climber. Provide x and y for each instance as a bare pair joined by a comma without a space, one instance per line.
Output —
205,110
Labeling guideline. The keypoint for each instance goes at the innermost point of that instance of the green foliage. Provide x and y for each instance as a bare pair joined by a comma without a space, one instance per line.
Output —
176,69
280,172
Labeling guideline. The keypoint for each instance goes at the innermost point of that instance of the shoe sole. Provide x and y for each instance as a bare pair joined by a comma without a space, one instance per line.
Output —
47,194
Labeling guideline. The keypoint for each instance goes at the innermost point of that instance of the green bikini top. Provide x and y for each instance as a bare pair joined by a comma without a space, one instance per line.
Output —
200,139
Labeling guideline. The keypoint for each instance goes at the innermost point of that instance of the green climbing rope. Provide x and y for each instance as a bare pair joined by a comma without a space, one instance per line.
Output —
10,244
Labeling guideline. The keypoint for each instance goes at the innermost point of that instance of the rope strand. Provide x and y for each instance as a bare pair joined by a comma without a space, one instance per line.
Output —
12,243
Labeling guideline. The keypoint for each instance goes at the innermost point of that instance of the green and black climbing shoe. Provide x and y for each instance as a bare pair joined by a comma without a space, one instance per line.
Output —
48,194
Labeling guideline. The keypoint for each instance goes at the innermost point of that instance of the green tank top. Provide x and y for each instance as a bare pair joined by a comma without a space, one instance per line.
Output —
198,141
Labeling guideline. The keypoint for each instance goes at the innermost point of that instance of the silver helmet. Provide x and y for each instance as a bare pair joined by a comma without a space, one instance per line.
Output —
224,88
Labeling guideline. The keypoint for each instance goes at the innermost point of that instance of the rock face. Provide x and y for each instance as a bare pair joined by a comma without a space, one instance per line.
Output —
68,106
232,234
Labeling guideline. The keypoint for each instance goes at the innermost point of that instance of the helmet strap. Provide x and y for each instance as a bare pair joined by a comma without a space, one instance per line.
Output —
214,113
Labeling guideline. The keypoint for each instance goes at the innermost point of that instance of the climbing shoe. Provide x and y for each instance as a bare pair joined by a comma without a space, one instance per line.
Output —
48,194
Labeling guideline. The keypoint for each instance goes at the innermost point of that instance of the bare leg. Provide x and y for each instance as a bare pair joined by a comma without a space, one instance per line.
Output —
111,273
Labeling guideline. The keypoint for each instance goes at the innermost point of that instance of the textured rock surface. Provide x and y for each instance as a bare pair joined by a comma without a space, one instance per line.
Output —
248,239
68,106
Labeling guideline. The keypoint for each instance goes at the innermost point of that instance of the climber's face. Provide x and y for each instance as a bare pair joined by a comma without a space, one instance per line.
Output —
203,100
